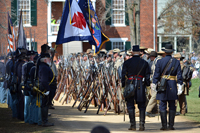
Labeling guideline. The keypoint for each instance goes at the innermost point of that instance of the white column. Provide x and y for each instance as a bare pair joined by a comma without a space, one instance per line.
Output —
175,44
160,43
49,17
190,43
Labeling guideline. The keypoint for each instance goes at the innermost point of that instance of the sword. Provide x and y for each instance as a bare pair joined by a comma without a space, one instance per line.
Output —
158,109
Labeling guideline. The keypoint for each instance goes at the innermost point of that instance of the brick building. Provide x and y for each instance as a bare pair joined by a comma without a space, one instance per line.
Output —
37,16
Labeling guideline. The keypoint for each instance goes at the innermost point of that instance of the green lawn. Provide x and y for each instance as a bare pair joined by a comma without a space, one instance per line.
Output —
193,101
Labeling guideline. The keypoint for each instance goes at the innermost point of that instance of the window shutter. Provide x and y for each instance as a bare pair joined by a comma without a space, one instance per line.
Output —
108,45
14,11
108,15
33,12
126,14
127,45
34,44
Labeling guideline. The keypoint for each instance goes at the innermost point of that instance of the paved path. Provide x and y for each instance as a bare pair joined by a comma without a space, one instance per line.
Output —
70,120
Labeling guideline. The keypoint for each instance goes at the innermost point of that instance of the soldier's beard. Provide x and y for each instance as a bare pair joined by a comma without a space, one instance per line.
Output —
49,63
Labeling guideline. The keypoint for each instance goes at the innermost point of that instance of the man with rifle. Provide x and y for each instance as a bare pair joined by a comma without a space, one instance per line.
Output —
54,87
135,69
167,75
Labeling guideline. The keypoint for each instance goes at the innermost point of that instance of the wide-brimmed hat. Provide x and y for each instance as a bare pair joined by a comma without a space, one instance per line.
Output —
178,55
88,51
103,51
21,52
129,53
153,54
148,51
168,48
143,48
160,52
116,50
110,52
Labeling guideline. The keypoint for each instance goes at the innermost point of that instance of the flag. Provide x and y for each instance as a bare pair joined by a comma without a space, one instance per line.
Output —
21,41
73,26
11,35
99,38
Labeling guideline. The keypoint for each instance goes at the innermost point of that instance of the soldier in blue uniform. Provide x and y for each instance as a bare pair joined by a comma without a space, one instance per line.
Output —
9,73
26,82
35,110
130,69
2,80
46,78
170,94
21,57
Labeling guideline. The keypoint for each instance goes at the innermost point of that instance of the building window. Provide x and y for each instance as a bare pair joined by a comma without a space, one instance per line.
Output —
119,45
25,6
118,12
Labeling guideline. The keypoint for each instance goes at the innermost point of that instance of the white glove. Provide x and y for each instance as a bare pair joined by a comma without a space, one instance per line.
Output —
46,93
153,87
180,89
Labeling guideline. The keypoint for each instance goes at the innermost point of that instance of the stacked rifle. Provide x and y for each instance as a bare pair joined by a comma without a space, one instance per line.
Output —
92,83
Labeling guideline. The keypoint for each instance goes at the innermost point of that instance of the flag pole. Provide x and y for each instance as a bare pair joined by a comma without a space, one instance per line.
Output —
69,13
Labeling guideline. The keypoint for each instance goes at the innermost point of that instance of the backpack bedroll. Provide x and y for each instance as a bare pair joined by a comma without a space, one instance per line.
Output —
187,73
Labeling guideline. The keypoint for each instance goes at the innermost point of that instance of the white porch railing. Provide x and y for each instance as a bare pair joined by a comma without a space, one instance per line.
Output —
54,28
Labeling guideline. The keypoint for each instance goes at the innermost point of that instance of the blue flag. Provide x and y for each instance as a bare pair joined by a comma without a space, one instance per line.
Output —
73,26
92,20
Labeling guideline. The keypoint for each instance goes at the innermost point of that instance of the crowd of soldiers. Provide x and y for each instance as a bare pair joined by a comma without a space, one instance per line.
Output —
31,82
99,79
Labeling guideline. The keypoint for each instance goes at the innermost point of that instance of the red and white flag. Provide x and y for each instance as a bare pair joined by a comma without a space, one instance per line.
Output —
11,36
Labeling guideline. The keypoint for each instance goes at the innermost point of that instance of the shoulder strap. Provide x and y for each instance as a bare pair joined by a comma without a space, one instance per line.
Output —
167,66
173,64
140,69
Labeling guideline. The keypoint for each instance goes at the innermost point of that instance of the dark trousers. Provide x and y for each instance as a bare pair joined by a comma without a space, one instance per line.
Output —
131,102
20,107
182,103
51,95
163,105
44,109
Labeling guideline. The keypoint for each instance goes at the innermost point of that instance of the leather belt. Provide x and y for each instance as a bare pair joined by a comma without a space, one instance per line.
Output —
169,77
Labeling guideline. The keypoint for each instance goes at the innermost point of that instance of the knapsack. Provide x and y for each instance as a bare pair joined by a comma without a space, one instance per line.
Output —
187,73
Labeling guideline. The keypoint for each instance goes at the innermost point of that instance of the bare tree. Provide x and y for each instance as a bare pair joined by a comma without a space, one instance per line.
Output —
181,17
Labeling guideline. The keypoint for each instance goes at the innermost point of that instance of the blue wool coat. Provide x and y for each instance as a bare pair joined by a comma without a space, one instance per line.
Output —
45,75
171,90
131,67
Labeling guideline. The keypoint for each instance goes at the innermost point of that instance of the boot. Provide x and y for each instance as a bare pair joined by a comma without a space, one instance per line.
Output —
171,119
163,115
132,119
44,113
142,120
